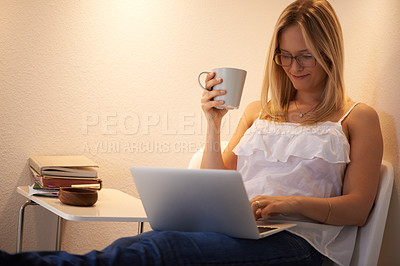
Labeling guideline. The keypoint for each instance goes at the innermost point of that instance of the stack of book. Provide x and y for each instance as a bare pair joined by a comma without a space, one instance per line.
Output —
55,172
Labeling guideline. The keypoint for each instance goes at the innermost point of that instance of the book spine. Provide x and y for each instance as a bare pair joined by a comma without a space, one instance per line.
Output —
37,179
59,182
35,165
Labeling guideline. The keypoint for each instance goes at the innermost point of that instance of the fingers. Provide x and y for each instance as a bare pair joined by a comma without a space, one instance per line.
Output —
256,207
265,207
208,103
211,106
209,95
263,211
211,82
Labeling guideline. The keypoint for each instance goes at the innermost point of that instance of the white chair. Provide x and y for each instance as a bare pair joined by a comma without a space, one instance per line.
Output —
195,161
369,237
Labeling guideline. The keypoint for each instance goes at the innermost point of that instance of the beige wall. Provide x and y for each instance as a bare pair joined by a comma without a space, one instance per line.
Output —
116,81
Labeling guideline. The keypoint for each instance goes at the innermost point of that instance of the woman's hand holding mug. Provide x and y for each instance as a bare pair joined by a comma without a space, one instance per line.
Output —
222,92
208,104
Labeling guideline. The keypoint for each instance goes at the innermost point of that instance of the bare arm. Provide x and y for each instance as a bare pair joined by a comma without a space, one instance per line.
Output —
360,181
212,156
362,174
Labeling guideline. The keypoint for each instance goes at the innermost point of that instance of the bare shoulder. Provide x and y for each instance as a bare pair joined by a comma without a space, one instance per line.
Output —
252,111
363,113
249,115
363,122
254,107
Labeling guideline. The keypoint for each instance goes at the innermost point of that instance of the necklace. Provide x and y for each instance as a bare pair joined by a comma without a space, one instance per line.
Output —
301,115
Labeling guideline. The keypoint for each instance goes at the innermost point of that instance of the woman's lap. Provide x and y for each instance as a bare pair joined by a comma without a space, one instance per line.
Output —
178,248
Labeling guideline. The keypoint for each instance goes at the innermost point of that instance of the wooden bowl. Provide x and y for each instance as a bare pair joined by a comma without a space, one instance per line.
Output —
77,196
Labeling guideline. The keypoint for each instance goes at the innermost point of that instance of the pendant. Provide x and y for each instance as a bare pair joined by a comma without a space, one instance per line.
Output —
301,115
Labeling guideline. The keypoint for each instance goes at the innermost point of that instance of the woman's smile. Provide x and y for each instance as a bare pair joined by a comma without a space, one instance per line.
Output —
299,77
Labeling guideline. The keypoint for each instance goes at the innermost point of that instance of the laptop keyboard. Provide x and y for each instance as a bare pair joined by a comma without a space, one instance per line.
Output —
264,229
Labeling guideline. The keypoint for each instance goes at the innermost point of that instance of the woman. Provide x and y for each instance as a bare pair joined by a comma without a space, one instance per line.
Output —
305,151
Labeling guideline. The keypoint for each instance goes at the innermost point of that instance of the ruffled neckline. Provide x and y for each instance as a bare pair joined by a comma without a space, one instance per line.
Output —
294,128
279,141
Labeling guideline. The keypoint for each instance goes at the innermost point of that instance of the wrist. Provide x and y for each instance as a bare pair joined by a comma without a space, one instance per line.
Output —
296,204
213,128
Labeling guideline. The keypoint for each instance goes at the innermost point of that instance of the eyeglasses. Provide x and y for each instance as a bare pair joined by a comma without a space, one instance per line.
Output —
286,60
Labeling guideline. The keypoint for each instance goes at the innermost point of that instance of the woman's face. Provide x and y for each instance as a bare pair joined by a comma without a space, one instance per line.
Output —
291,43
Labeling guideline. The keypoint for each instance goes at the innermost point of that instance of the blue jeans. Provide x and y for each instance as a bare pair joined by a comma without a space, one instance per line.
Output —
179,248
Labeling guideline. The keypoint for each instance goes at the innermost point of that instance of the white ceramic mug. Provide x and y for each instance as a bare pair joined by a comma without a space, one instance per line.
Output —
232,82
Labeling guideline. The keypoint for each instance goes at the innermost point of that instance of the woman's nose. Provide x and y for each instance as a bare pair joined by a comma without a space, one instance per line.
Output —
296,66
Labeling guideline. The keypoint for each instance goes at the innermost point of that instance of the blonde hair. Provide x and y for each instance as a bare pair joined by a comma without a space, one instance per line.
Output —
323,36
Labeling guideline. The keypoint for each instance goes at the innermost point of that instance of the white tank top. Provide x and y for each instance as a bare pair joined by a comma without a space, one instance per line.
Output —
279,159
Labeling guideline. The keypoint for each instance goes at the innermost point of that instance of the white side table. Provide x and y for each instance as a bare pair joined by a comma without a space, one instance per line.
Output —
112,206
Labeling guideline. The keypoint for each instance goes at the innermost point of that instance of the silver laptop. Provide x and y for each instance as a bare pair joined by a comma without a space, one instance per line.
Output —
195,200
